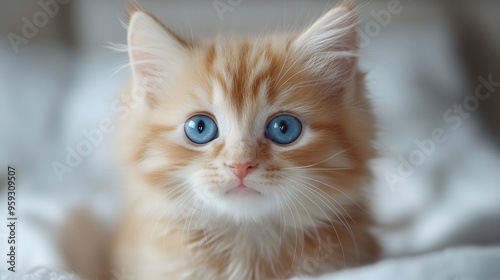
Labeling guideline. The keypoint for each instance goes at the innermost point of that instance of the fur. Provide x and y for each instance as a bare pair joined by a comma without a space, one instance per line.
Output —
309,217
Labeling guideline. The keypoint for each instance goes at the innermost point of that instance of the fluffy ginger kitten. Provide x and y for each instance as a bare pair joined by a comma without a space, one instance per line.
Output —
247,156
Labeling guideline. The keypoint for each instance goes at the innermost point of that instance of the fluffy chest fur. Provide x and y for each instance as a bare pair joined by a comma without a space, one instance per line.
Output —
168,248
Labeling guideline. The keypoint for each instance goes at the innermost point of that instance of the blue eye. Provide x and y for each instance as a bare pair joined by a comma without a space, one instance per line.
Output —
283,129
201,129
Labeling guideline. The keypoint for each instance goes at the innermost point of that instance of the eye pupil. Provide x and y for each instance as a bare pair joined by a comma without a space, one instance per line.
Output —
283,127
201,126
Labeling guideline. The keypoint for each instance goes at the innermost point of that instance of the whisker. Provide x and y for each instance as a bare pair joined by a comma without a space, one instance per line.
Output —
307,213
175,189
343,221
329,158
192,213
188,198
282,218
337,189
294,223
334,200
280,75
183,198
184,203
326,216
327,169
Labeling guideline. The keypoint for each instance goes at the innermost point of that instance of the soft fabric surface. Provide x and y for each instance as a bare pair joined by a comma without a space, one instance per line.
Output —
454,264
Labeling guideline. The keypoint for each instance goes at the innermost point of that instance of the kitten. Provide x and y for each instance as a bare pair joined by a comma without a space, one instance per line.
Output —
248,156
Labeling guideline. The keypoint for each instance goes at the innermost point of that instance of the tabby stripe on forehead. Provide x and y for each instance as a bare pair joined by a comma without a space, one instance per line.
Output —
258,82
277,64
210,55
240,78
240,72
259,75
218,71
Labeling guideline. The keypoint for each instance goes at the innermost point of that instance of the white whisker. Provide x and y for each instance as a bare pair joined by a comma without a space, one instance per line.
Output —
337,189
326,216
294,223
329,158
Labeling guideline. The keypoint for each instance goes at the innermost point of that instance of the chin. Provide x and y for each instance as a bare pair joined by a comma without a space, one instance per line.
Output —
245,205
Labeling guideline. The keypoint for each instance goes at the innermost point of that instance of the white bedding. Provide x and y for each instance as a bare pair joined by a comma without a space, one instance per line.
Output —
468,263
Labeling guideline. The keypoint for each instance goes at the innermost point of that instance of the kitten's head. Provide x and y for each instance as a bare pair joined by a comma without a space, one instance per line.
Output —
251,128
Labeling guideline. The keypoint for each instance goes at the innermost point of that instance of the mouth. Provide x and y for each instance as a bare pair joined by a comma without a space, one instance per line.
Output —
242,190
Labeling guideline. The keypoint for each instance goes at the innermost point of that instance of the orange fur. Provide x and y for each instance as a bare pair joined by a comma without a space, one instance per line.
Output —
178,224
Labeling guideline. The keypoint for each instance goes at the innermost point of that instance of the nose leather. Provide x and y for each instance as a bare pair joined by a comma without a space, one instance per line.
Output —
242,169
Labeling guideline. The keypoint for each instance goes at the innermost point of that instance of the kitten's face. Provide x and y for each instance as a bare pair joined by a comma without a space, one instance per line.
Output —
244,90
253,129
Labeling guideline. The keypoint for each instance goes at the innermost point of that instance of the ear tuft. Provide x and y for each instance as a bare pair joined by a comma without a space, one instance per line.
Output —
132,7
348,4
330,45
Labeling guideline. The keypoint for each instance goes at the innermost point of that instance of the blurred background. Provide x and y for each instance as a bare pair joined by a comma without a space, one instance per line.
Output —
433,72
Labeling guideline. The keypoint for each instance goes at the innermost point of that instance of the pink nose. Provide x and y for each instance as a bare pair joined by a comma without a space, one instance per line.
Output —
242,169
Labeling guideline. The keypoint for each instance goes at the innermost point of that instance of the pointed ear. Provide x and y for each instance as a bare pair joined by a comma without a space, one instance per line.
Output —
330,45
153,50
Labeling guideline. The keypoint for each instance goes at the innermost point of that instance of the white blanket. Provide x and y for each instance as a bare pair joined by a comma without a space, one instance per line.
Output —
472,263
